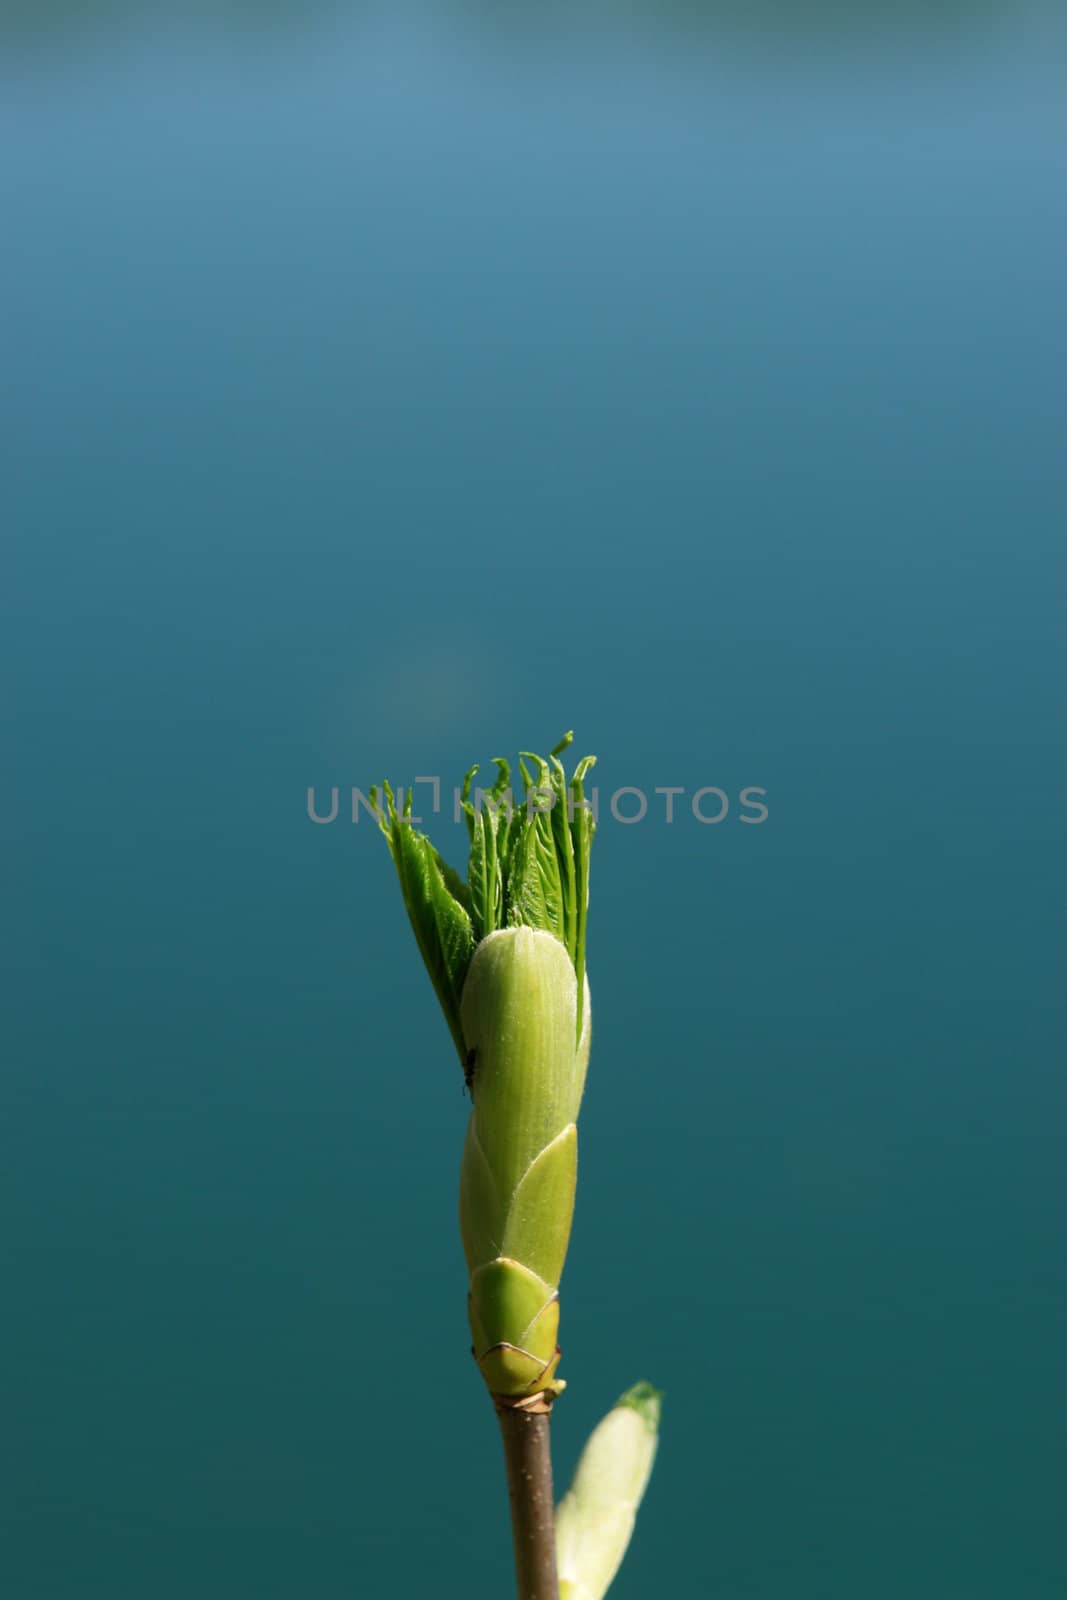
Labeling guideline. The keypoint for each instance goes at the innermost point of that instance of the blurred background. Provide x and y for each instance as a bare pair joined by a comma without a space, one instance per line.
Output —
386,388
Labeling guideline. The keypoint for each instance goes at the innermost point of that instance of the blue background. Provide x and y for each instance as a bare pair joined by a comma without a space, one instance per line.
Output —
381,392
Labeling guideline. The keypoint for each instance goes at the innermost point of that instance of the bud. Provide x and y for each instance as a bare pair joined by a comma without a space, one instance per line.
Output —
506,953
519,1167
595,1518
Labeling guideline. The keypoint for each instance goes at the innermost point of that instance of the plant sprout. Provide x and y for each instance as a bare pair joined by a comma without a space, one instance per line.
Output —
505,951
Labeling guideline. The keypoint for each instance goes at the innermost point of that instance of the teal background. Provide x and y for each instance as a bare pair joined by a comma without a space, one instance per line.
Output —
381,391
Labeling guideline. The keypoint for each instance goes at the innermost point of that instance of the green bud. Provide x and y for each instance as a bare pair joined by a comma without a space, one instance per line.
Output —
595,1518
519,1166
505,951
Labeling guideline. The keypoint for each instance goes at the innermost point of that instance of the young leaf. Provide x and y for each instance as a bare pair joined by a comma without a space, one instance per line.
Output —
438,908
528,865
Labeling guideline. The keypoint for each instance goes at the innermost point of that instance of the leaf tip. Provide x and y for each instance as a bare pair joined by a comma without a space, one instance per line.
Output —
647,1401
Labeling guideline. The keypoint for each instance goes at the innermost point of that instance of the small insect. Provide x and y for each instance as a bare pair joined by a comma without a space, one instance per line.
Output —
468,1070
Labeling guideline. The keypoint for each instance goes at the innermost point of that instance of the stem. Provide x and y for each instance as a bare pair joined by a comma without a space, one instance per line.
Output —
533,1525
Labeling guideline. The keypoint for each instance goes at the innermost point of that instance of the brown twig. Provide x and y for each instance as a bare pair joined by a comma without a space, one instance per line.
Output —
529,1463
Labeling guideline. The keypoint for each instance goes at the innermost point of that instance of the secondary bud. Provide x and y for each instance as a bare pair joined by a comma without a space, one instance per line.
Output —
595,1518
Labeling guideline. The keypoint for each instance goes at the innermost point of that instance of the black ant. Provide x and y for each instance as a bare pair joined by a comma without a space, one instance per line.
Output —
468,1070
